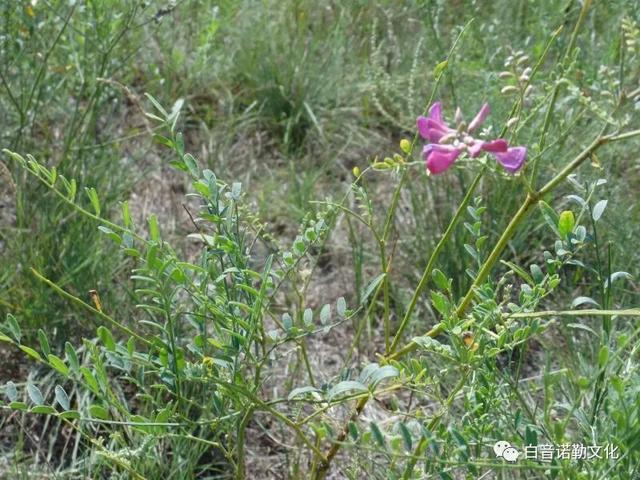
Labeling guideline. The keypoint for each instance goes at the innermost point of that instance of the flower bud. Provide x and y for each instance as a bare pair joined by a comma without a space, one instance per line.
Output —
458,117
398,159
356,171
405,145
508,90
512,122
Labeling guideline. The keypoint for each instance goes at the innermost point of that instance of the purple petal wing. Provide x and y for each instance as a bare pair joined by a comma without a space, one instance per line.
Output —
440,157
480,117
435,112
513,159
494,146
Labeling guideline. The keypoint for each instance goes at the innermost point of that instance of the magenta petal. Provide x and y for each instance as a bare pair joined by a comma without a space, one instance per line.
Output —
440,157
421,123
494,146
475,149
435,112
513,159
431,129
479,118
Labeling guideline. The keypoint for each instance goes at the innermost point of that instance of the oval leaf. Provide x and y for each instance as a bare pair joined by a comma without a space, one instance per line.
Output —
35,394
62,398
11,391
598,210
346,386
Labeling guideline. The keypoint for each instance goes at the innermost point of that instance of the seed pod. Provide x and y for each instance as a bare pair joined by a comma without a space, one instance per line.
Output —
512,122
508,90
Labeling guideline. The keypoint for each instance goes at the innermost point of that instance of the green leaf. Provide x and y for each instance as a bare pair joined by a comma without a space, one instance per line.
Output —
536,273
44,343
58,364
92,383
472,251
31,352
11,391
236,189
325,314
377,435
106,338
157,105
550,216
431,344
530,436
143,428
154,231
93,198
70,414
163,415
406,437
98,411
35,394
372,286
46,409
388,371
346,386
307,317
341,306
617,276
126,215
287,321
440,302
72,356
191,164
111,234
14,328
440,280
440,68
297,392
584,300
580,326
598,210
603,356
18,406
61,397
353,430
566,222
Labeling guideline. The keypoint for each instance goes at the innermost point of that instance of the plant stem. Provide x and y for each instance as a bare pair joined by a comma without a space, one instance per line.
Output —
434,256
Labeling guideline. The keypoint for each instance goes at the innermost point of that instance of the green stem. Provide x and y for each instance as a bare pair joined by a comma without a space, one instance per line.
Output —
431,263
529,201
433,424
102,315
590,312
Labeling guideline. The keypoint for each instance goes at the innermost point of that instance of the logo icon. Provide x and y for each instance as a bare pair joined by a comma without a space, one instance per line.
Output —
504,450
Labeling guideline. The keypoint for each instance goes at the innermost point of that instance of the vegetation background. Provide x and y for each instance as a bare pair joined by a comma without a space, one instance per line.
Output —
287,97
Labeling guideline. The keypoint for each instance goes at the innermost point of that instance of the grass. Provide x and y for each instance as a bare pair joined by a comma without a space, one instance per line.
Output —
286,98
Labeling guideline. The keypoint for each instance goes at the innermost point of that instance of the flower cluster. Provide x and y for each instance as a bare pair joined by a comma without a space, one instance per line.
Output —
447,144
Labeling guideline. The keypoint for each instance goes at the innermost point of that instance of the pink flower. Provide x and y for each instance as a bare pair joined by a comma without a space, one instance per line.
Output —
440,157
513,159
446,144
433,127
